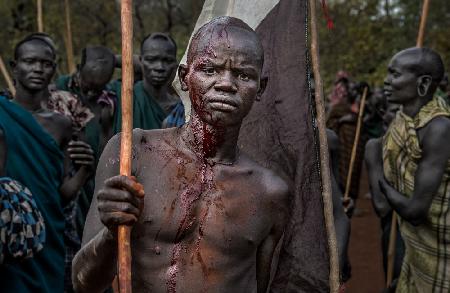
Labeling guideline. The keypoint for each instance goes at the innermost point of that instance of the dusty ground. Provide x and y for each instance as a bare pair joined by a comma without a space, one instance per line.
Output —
365,248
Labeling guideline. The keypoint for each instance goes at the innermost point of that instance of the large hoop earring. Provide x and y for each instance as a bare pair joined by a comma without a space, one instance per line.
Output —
420,93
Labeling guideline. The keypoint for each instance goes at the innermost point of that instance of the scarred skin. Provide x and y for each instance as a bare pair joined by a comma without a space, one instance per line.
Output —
211,217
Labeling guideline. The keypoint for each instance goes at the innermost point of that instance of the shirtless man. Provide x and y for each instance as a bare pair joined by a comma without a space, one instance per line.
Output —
211,217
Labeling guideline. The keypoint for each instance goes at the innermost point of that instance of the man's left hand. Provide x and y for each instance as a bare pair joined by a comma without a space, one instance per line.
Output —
81,154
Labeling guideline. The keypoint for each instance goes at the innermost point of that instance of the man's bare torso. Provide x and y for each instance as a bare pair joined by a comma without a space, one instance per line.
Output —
202,223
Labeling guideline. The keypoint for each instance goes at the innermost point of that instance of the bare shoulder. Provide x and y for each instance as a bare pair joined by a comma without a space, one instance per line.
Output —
438,126
270,185
373,147
61,120
436,134
142,140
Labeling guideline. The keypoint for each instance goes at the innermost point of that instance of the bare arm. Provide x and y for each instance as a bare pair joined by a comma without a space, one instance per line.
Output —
115,203
267,248
78,154
429,173
374,163
341,222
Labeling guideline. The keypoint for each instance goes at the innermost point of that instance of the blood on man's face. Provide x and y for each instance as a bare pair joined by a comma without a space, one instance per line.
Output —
224,75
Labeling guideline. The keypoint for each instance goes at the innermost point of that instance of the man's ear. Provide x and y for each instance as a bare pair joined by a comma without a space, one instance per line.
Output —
182,75
423,85
262,87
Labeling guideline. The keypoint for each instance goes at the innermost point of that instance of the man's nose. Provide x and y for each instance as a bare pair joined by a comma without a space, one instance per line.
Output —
387,80
226,82
159,66
38,67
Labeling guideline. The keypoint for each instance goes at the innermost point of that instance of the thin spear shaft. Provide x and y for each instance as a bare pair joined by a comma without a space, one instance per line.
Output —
69,44
40,20
324,153
124,248
423,23
355,145
7,77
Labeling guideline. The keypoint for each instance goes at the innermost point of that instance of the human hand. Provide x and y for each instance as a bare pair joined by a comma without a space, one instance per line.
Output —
386,188
349,206
81,155
120,201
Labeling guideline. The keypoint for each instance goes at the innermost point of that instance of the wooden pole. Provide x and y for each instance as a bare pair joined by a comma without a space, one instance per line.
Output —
423,23
68,38
391,250
40,20
393,234
324,153
124,248
355,145
7,77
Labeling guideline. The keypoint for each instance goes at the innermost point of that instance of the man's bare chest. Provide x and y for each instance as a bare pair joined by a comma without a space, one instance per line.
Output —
184,203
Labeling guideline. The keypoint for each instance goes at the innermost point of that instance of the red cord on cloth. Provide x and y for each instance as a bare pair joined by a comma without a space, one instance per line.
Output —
326,14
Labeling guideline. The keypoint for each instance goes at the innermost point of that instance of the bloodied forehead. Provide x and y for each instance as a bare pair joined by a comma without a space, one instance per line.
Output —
220,40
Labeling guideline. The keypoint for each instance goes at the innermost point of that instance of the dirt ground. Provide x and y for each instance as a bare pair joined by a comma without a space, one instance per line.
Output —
365,247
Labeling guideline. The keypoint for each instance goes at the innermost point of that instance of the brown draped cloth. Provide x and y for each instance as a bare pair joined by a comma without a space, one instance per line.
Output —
279,133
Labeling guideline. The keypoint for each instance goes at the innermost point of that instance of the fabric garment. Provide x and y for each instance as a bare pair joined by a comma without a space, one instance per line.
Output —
67,99
346,131
176,117
69,105
22,228
147,113
426,266
35,159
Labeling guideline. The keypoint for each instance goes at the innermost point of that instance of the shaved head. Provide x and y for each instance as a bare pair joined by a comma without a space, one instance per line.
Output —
424,61
220,26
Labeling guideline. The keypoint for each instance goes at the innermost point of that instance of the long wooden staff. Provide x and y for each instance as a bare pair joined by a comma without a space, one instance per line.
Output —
355,145
124,248
7,77
68,38
393,234
423,23
324,154
40,20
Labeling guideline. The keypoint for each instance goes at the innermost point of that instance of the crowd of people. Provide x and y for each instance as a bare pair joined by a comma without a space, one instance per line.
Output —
404,129
58,220
52,136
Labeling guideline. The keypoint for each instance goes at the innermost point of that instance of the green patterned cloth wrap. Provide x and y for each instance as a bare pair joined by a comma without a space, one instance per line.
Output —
426,266
22,229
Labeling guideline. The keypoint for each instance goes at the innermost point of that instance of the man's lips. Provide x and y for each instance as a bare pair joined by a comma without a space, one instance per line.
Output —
36,79
222,104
